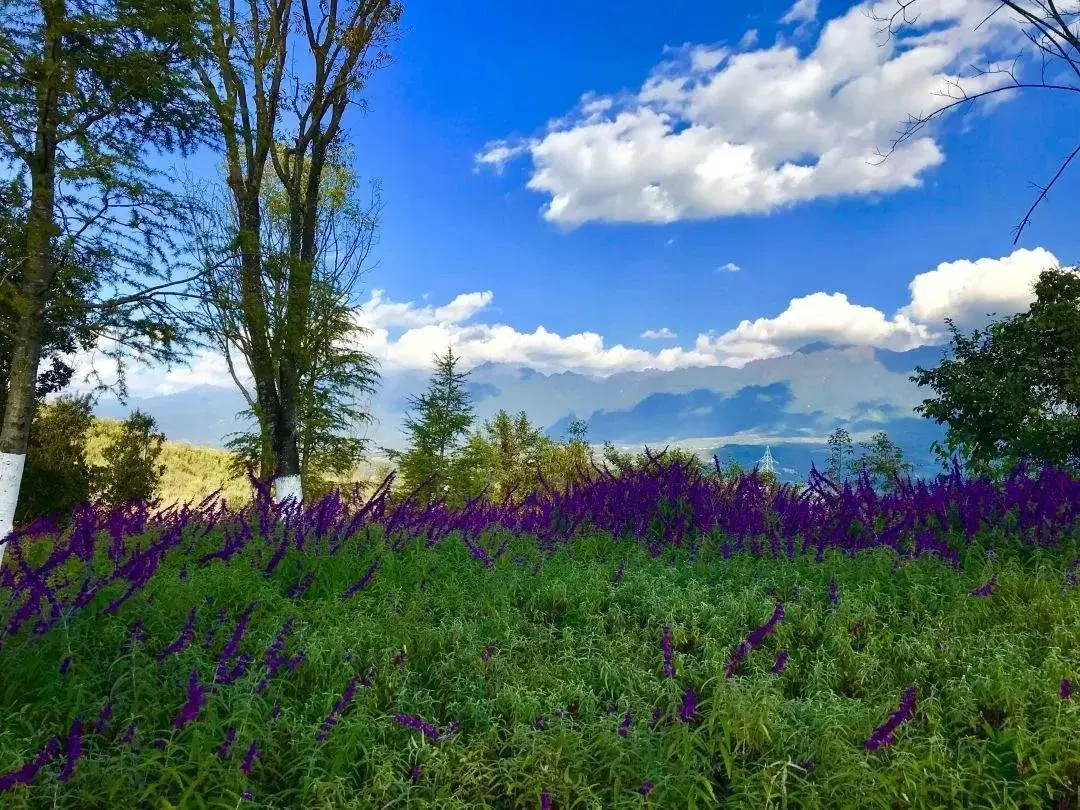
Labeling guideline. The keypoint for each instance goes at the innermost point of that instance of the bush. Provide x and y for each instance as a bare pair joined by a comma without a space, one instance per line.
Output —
131,470
57,476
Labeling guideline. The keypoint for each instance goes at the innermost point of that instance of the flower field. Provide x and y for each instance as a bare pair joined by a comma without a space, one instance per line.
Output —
663,639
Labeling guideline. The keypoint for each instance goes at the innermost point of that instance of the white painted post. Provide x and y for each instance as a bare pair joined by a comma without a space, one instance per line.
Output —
288,486
11,470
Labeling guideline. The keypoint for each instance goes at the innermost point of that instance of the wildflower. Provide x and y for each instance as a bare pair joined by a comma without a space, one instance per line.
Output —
987,589
248,796
669,667
689,706
426,728
545,800
619,572
186,634
781,663
196,699
340,707
227,743
274,712
249,758
361,583
624,726
832,591
882,736
399,659
103,718
65,665
655,718
538,724
73,749
417,773
1066,688
646,788
128,735
25,775
489,650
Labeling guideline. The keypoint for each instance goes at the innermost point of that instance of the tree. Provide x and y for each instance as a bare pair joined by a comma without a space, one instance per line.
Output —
57,476
85,87
1050,27
514,461
346,43
840,448
335,370
132,470
440,419
882,459
1013,389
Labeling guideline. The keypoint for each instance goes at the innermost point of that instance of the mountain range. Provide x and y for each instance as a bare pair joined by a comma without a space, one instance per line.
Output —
789,404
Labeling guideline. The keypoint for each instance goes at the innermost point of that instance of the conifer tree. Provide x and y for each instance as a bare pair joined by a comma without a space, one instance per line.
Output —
840,450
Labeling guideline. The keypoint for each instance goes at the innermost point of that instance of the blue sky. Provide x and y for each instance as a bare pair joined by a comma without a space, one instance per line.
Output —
469,77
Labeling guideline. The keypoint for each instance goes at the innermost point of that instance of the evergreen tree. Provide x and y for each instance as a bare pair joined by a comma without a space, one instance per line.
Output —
440,419
840,451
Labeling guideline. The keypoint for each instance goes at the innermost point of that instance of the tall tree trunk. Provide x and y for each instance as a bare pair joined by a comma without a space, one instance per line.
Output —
38,273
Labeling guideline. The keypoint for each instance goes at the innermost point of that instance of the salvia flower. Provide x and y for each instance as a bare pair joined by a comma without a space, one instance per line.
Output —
103,717
418,723
25,775
987,589
1066,688
646,788
196,699
274,712
72,749
619,572
227,744
781,663
545,800
186,634
538,724
489,650
399,659
249,758
689,706
417,773
832,591
128,735
669,666
361,583
65,665
340,707
882,736
624,726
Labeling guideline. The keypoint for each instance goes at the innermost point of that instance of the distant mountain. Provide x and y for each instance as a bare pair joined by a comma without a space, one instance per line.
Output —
790,403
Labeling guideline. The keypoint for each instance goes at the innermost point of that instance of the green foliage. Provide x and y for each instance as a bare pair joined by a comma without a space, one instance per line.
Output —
132,469
433,464
1013,389
882,459
840,450
57,476
988,720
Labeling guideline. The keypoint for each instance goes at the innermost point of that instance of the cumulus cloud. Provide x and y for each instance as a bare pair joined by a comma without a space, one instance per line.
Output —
729,267
662,333
405,335
802,11
714,132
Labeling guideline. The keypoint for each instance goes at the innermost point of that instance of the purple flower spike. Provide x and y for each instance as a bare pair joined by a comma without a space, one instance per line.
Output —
249,758
65,665
545,800
418,723
25,775
669,666
227,743
832,591
781,663
987,589
417,773
538,724
399,659
882,736
103,718
624,726
196,699
128,735
247,795
655,718
646,788
1066,688
73,749
689,706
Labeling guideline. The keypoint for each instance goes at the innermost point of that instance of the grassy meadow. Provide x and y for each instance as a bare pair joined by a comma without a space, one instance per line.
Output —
662,641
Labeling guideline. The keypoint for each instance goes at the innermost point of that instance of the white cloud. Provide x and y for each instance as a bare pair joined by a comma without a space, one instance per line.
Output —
730,267
962,289
802,11
658,334
749,39
715,133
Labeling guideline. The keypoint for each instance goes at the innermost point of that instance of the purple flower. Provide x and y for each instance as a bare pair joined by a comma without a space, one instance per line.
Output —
73,750
624,726
25,775
832,591
689,706
186,634
781,663
1066,688
227,744
655,718
882,736
646,788
103,718
65,665
669,666
987,589
489,650
274,712
248,796
413,721
362,582
538,724
340,707
753,641
619,572
399,659
545,800
128,735
249,758
196,699
417,773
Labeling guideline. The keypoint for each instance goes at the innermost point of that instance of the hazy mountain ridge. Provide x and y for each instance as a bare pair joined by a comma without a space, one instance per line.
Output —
790,402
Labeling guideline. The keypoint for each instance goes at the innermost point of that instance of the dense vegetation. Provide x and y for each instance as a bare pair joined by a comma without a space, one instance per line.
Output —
655,638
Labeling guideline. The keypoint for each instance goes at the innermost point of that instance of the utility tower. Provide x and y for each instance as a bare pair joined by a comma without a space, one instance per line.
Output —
767,462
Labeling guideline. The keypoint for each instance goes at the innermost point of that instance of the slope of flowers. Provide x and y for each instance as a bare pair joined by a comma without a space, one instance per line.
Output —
654,639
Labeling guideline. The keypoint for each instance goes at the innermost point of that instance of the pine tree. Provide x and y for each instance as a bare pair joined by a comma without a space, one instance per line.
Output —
440,419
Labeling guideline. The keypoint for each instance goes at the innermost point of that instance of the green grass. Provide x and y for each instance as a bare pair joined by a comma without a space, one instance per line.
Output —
990,729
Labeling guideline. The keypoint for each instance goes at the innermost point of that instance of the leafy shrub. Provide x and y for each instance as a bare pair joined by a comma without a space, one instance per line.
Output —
57,475
132,471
